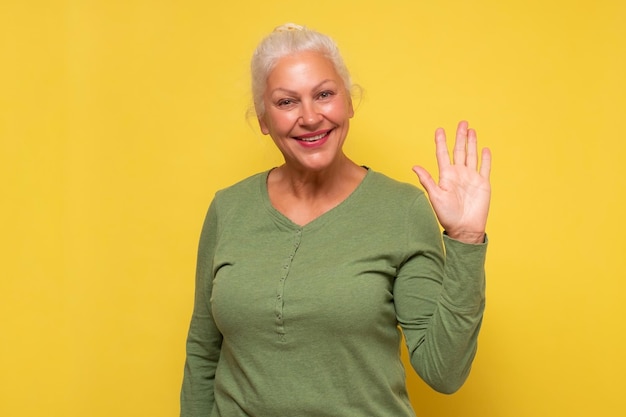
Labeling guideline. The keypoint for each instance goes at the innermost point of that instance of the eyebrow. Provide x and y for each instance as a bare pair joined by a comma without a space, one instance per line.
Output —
288,91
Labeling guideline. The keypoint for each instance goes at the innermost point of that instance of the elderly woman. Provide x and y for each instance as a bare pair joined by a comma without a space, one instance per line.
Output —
307,272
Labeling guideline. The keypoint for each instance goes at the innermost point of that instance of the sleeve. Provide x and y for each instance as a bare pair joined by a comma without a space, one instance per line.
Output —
204,339
439,297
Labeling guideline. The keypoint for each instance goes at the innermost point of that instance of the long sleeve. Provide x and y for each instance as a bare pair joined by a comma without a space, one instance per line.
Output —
440,299
204,339
303,320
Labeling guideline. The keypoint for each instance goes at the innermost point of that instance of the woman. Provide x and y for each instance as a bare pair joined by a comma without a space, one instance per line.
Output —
306,271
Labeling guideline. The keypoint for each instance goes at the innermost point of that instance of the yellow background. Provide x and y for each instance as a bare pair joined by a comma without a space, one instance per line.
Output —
119,119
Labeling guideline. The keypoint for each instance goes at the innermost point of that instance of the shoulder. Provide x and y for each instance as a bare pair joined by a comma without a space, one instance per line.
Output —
398,210
393,199
234,204
244,185
381,187
239,198
247,188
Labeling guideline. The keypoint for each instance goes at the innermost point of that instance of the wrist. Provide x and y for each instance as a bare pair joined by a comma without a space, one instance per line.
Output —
472,238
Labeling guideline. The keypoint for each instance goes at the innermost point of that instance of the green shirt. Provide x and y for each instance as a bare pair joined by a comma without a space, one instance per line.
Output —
305,320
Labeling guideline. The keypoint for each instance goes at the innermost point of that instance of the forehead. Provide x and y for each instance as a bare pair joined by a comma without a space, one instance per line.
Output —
302,69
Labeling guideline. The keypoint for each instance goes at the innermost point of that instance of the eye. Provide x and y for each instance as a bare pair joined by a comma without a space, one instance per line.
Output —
285,102
326,94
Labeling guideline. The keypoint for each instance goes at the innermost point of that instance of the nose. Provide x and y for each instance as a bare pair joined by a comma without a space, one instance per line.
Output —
309,114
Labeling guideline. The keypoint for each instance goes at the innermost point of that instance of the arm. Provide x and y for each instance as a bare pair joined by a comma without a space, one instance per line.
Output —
439,299
204,339
442,330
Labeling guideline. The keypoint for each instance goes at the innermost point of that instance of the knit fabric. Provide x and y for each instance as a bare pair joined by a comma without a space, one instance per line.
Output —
296,320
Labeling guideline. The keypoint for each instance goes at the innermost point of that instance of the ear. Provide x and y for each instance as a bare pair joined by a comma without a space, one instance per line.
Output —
350,108
264,129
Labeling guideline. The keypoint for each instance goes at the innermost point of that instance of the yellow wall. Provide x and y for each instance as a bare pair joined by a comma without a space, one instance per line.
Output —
120,118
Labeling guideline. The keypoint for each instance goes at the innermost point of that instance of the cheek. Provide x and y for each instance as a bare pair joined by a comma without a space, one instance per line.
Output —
282,123
340,112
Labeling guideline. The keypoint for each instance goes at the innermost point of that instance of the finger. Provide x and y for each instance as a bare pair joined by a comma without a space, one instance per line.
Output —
441,149
485,163
472,150
458,154
425,179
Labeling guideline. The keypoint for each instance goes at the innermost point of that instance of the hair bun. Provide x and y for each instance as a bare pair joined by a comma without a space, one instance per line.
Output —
288,27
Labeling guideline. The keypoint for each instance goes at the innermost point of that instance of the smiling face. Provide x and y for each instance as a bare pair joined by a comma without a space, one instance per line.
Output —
307,111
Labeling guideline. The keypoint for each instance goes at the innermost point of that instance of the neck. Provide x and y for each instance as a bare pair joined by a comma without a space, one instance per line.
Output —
302,196
307,184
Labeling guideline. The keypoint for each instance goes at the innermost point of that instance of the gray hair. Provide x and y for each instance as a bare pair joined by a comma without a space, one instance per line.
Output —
286,40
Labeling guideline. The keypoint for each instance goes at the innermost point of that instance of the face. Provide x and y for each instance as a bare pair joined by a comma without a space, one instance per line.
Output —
307,111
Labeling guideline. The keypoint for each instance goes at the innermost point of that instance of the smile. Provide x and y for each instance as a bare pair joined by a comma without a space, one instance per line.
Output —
314,138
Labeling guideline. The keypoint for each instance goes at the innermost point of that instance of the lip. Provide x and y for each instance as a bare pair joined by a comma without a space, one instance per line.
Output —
325,134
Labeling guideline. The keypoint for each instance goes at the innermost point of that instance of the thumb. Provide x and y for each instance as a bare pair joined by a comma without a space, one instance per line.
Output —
425,179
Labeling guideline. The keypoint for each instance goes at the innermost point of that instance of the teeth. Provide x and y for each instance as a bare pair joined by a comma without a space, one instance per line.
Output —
313,138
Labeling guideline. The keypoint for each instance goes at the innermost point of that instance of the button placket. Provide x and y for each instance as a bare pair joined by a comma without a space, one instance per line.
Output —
281,286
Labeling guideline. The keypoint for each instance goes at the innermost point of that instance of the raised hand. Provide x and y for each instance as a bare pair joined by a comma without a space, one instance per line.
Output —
461,198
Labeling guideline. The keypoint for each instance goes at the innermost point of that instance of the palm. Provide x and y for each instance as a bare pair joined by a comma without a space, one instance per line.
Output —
461,198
